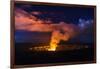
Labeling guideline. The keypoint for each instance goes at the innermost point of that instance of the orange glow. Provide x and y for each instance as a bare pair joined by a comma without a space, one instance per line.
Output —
55,39
52,47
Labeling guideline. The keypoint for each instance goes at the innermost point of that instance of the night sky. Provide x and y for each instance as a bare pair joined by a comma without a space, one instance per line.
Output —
77,16
59,13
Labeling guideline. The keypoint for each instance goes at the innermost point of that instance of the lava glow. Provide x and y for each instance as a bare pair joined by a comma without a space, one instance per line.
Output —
55,39
53,47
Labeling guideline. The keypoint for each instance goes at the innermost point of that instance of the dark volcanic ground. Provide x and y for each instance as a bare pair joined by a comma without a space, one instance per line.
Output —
23,56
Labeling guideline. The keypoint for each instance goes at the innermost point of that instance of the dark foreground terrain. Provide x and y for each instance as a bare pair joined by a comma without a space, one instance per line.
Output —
23,56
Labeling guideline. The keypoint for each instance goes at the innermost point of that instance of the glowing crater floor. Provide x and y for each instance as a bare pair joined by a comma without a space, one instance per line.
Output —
59,48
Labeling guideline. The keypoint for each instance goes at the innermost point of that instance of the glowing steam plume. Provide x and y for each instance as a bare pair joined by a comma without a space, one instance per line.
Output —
55,39
63,31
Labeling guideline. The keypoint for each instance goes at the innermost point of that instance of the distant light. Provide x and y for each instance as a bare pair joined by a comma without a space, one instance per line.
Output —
81,25
30,48
84,23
